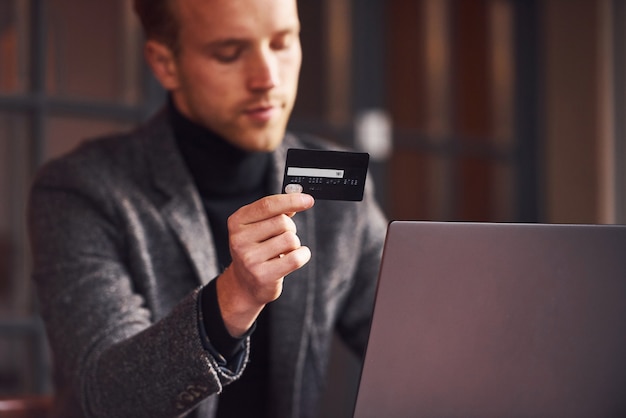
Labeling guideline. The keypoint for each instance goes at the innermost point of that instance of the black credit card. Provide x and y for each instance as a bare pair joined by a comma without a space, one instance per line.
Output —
329,175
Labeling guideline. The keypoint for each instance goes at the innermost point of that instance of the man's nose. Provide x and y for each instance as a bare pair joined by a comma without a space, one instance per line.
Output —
263,70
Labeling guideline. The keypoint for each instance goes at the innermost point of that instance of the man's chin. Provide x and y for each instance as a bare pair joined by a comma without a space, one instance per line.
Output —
266,142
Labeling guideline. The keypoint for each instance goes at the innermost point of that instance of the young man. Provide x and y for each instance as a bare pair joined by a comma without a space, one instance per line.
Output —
174,277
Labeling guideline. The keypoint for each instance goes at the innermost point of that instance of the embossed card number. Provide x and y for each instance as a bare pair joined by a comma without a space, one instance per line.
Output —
327,175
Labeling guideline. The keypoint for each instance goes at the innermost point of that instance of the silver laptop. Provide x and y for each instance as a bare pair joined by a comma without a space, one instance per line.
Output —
498,320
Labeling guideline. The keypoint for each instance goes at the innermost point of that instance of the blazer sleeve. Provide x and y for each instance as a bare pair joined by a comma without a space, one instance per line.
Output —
109,352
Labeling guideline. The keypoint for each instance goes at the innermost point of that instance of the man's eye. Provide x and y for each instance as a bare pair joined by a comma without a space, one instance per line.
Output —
227,55
283,42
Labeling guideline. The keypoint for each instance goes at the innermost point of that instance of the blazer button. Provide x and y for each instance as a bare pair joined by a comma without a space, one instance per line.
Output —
191,395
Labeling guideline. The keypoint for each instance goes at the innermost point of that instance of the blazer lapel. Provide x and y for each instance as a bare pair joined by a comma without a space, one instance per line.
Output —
182,208
292,313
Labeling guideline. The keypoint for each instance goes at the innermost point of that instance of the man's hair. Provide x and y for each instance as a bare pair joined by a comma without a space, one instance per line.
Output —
159,21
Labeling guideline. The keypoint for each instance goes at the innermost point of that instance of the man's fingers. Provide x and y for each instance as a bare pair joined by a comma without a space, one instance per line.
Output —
271,248
265,280
296,258
264,244
243,236
288,262
265,218
274,205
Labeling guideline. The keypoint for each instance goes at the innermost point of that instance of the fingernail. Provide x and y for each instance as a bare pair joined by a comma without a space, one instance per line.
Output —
307,199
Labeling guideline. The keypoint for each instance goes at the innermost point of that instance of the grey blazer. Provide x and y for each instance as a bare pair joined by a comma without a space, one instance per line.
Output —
121,248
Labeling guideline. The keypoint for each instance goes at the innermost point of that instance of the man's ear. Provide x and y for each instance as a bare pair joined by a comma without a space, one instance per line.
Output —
163,63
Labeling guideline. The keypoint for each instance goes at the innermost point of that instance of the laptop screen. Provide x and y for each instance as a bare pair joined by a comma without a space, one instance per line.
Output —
498,320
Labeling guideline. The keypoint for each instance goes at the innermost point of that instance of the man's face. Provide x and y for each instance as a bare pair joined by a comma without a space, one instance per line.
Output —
238,66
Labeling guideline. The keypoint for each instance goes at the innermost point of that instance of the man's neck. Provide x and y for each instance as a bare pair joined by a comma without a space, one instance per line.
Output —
218,167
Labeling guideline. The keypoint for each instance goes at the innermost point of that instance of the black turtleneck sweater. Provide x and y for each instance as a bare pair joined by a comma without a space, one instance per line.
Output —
227,178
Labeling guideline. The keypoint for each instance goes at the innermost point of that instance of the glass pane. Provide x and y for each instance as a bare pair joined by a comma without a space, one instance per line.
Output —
502,72
22,352
438,64
504,192
476,180
15,163
13,46
411,185
10,376
64,134
94,50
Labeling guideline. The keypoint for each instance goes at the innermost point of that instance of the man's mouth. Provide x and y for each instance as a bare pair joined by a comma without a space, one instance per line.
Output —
262,113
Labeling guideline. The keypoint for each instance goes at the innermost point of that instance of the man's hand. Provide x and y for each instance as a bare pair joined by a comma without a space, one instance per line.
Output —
264,248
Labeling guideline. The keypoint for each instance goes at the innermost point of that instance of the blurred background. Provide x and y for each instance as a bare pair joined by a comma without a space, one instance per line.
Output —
474,110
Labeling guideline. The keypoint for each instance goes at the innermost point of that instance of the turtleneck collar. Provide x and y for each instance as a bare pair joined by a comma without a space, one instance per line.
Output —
219,169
